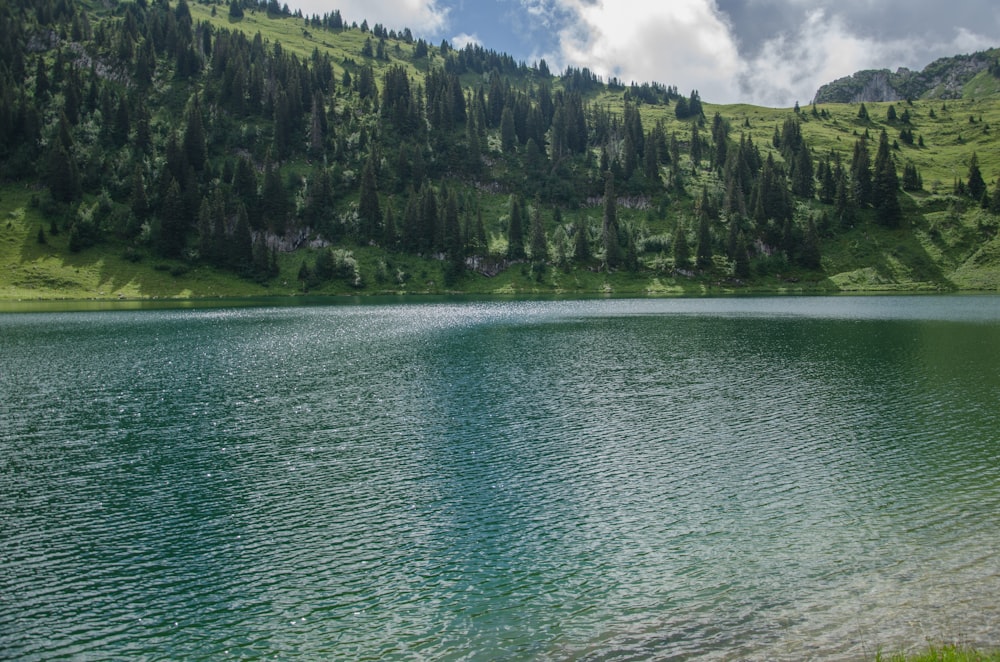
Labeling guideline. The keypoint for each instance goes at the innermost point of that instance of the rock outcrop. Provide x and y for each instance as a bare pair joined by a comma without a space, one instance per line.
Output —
941,79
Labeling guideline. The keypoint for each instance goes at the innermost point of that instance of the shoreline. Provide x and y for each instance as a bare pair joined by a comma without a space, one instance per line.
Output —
83,304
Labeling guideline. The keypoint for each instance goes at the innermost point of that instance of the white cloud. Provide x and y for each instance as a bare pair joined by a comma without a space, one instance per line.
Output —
686,43
692,44
792,67
463,39
423,17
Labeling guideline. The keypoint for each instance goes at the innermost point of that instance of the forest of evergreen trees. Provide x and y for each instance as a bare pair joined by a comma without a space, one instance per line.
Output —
206,145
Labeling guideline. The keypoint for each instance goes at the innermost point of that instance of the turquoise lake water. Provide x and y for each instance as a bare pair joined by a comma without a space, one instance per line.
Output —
720,479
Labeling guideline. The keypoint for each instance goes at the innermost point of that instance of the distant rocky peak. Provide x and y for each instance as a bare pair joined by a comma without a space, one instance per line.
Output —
941,79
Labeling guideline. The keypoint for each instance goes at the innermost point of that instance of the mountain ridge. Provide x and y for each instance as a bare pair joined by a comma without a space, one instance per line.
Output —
945,78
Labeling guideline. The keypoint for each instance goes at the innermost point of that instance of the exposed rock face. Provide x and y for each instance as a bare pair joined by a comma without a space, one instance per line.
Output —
941,79
878,88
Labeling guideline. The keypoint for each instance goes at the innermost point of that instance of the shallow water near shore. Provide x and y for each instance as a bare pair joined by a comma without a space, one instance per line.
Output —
749,478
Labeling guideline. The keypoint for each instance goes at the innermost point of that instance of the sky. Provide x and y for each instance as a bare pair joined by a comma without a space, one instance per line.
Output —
766,52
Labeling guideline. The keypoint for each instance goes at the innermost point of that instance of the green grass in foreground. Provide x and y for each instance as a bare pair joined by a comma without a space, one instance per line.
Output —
942,654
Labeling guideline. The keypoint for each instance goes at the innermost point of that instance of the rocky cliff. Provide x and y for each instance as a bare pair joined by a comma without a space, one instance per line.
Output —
942,79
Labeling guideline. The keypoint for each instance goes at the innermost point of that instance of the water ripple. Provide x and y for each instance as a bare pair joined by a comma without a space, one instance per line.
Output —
607,480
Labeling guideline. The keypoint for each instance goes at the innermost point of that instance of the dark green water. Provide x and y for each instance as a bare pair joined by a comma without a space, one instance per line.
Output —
655,479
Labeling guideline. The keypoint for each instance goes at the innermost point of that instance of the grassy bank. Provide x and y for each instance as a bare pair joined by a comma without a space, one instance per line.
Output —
942,654
941,251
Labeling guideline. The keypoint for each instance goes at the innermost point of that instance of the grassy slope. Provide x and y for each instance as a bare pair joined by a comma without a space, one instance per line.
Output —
945,243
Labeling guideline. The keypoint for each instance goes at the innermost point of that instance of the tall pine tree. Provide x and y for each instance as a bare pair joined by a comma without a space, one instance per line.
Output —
609,226
515,230
885,185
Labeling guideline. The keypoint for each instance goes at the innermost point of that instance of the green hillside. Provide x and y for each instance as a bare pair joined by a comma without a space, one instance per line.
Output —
201,150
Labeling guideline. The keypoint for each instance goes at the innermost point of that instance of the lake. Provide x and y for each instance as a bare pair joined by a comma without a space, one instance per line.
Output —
733,478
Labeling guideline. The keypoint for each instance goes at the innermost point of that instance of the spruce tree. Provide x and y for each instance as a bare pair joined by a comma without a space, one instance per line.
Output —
861,174
681,248
172,226
390,238
369,211
976,185
696,152
994,205
581,242
508,136
885,185
803,184
274,200
703,250
515,230
741,261
195,150
453,239
609,225
809,255
539,244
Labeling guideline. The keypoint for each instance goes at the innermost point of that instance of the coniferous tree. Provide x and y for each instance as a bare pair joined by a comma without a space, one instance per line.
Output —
741,261
994,204
681,109
508,136
609,225
62,174
317,125
240,253
975,183
681,248
539,244
195,151
581,242
861,174
842,198
411,231
911,178
885,185
42,86
694,105
809,254
61,171
703,250
515,230
827,182
138,200
480,240
803,184
390,237
453,239
720,142
428,219
274,200
651,164
369,211
696,152
631,262
172,223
